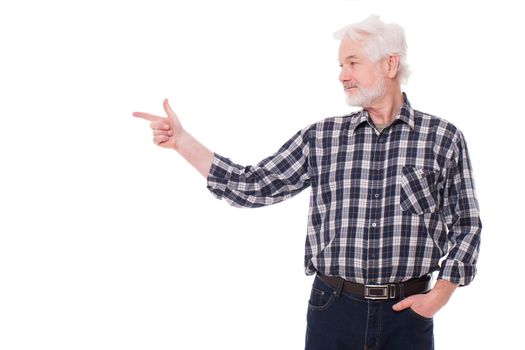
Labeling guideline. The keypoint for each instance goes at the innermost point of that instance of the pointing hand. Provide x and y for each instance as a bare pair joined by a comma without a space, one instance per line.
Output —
167,131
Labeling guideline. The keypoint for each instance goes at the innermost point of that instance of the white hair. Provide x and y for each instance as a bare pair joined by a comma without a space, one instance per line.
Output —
380,40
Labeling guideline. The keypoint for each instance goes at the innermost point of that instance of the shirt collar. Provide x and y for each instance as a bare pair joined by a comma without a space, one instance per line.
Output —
405,114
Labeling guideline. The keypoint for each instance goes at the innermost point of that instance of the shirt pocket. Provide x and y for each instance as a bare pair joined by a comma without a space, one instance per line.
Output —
418,190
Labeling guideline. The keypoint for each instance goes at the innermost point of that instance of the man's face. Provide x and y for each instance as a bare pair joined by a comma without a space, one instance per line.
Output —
360,76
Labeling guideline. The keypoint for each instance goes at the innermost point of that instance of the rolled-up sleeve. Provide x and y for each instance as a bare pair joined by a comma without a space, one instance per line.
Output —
272,180
461,214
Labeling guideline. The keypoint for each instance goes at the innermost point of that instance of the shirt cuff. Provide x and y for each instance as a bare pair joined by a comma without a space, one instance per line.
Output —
457,272
219,175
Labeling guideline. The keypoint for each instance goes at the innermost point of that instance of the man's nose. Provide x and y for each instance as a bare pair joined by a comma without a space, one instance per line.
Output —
344,75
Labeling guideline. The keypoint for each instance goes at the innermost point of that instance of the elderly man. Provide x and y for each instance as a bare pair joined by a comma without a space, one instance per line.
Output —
392,200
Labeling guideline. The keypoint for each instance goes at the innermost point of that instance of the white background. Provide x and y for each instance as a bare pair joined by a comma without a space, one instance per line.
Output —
109,242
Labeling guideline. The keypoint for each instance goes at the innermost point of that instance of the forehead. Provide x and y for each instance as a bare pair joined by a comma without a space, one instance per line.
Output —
349,48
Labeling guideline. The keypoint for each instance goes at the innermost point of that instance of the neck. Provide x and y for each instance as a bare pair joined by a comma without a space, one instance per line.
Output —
385,109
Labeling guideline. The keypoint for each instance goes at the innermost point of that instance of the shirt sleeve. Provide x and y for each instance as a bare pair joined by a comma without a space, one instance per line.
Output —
461,214
272,180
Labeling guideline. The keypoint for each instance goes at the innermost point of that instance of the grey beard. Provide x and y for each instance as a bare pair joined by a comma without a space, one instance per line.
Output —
366,95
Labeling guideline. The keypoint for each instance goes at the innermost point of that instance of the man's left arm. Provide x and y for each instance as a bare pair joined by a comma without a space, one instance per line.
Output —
461,215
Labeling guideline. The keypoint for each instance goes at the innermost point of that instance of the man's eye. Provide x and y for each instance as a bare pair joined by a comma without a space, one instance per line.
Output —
351,64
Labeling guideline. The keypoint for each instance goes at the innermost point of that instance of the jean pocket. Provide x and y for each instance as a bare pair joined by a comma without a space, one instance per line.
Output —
320,299
418,316
418,190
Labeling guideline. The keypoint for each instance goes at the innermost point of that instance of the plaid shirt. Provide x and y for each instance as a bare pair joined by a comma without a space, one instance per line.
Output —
384,206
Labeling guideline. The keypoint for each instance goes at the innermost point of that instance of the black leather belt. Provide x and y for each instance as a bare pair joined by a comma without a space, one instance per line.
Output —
378,291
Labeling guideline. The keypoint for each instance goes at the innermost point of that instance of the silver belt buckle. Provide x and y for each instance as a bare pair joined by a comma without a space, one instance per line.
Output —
380,291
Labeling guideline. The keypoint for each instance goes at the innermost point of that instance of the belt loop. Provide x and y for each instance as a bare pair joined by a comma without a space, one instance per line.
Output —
401,291
340,285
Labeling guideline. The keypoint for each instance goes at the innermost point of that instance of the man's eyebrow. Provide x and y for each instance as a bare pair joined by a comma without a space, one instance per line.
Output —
351,57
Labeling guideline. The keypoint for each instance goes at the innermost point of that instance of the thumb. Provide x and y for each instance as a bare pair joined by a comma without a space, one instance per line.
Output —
403,304
168,109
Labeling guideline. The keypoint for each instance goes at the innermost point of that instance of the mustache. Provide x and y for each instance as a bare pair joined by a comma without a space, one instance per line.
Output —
347,88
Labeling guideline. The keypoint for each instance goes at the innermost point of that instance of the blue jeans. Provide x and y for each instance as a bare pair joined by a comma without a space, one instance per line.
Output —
349,322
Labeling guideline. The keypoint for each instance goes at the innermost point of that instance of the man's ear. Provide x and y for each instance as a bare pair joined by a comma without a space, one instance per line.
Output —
391,66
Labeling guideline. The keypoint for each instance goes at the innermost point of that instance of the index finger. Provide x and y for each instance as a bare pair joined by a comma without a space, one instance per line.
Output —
147,116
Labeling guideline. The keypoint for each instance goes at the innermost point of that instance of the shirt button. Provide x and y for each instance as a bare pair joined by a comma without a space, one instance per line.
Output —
376,195
374,224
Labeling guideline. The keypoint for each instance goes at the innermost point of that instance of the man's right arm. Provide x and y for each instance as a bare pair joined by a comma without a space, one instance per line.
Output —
272,180
198,155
